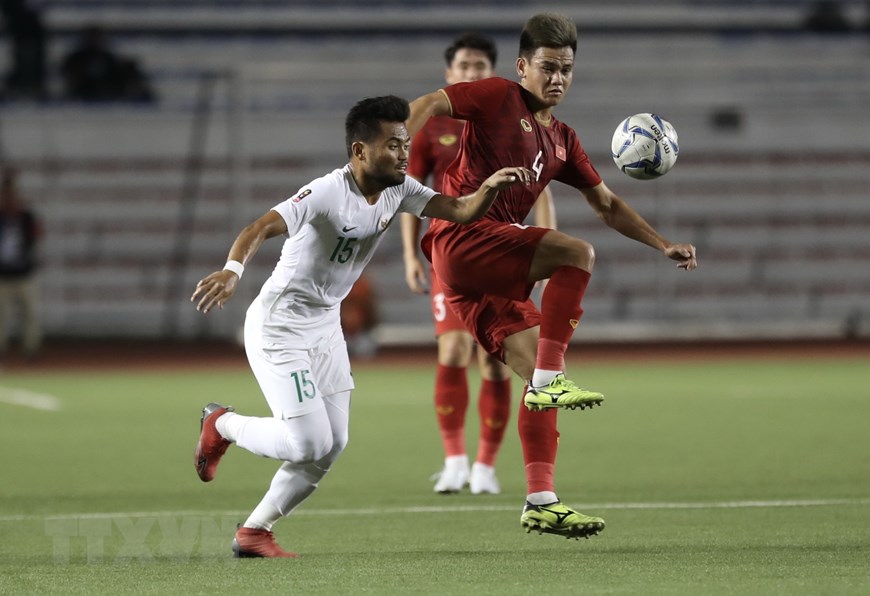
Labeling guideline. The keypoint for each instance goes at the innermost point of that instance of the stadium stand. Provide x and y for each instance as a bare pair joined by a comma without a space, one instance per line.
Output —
771,184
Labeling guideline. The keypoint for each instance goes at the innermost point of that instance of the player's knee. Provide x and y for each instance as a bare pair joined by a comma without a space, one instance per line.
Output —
307,449
339,443
454,349
493,369
582,255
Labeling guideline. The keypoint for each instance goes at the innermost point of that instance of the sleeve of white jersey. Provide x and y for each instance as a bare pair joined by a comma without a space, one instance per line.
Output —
416,197
306,205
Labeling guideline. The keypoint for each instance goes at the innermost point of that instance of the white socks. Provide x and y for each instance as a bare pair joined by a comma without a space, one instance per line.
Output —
542,377
542,498
227,427
263,517
291,485
302,440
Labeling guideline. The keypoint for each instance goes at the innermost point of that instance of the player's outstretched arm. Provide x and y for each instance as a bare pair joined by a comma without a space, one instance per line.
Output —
426,106
415,273
215,289
472,207
620,216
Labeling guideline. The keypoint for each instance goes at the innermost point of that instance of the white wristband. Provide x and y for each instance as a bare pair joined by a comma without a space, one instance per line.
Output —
235,267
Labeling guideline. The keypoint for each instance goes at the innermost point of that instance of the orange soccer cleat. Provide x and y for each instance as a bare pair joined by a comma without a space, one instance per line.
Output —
211,446
256,543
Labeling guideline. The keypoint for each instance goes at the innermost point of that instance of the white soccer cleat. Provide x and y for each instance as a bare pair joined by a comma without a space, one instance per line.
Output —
454,476
483,480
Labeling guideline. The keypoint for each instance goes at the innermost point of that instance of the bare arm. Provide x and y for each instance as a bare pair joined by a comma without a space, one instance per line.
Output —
619,215
415,273
545,212
545,217
423,108
218,287
472,207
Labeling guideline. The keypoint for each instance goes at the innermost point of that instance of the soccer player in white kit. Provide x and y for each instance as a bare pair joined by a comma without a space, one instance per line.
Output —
293,335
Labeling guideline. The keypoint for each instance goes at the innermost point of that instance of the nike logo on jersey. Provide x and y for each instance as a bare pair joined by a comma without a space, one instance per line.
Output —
347,229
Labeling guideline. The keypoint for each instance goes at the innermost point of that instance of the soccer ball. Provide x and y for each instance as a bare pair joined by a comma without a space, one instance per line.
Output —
645,146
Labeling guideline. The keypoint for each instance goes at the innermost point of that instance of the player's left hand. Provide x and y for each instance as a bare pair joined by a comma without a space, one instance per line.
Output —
684,254
506,177
215,290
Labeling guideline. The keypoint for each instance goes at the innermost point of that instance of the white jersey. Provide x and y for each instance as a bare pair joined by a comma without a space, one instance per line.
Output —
332,234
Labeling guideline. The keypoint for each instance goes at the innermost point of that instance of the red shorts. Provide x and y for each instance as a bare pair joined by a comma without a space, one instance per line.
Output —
483,270
442,314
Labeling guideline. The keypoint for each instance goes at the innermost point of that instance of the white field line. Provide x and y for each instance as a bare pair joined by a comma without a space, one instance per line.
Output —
775,504
29,399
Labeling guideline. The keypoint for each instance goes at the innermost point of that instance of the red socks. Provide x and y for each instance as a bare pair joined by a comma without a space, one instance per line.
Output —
540,440
494,407
451,402
560,315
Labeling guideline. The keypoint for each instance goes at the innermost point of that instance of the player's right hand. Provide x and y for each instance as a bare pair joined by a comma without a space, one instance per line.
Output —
684,254
215,290
415,276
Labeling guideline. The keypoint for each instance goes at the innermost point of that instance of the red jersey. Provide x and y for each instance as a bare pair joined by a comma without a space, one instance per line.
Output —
433,148
501,131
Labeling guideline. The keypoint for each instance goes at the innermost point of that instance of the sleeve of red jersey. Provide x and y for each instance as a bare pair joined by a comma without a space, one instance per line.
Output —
477,100
578,170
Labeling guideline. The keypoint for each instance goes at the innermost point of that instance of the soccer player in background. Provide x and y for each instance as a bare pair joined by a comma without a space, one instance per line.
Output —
470,57
488,269
293,335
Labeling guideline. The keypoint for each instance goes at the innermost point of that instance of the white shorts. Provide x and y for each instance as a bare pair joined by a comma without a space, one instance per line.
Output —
295,379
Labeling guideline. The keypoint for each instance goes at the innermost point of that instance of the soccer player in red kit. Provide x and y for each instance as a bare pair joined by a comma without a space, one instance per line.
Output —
488,269
470,57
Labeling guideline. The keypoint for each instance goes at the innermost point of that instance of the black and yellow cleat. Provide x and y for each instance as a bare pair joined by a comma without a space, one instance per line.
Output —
556,518
561,393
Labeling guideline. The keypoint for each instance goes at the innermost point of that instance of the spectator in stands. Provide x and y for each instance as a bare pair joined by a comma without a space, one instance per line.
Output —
19,233
826,17
94,72
26,33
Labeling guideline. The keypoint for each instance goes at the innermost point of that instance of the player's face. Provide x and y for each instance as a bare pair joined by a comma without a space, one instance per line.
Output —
468,65
547,74
387,161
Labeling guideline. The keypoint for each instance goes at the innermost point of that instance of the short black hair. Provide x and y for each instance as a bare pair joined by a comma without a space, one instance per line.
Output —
548,30
364,120
471,41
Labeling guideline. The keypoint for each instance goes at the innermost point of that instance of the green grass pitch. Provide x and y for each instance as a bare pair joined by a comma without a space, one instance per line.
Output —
730,476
